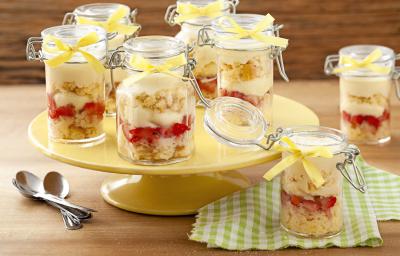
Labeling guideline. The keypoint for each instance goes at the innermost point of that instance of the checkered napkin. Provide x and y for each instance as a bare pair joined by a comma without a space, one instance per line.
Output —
249,219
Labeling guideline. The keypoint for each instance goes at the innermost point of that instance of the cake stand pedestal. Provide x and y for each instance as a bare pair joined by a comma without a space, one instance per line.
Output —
176,189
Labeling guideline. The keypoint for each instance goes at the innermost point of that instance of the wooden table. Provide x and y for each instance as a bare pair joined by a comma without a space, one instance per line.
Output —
32,228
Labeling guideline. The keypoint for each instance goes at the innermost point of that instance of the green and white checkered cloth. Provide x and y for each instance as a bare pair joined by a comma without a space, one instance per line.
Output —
249,219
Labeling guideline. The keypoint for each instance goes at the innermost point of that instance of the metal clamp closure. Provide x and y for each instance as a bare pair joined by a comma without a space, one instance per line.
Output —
69,18
170,14
203,37
351,153
331,62
396,77
31,53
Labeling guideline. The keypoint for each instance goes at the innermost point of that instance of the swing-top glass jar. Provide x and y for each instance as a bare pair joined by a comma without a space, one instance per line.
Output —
308,210
367,73
74,85
119,22
156,103
244,63
192,15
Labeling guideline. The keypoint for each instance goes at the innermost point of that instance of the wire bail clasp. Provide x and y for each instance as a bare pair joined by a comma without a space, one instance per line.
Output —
351,153
396,78
31,52
276,53
69,18
331,62
204,38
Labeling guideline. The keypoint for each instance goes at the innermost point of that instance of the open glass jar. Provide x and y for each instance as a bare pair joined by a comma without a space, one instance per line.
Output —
74,87
365,88
244,63
156,102
191,21
119,22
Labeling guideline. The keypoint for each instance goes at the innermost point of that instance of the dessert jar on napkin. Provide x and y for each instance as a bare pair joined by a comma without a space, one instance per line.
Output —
74,56
366,73
246,46
192,16
314,161
156,102
119,22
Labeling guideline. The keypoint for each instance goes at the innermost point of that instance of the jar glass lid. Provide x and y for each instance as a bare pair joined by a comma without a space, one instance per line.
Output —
204,20
360,52
245,21
154,46
100,11
310,136
70,35
235,122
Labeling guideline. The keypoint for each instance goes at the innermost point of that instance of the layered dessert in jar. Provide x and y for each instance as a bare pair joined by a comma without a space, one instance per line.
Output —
75,99
205,56
305,209
247,75
155,120
365,108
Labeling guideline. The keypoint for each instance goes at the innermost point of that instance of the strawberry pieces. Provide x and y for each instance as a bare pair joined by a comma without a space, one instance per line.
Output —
317,203
208,84
55,112
152,134
255,100
356,120
94,109
145,133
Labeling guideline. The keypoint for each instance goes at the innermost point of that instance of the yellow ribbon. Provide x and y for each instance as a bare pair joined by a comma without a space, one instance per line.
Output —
189,11
139,63
113,22
367,63
256,33
296,154
67,51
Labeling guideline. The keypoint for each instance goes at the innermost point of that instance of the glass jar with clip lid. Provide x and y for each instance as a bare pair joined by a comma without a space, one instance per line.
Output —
74,57
246,46
367,73
191,16
119,22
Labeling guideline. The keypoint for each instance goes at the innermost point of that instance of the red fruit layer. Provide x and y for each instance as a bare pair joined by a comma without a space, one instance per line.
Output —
357,120
153,134
207,84
255,100
318,203
92,109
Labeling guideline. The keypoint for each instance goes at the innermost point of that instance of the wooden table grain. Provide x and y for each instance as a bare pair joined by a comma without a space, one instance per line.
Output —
33,228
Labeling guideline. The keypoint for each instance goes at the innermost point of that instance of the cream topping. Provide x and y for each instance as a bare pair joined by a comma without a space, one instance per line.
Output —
366,86
256,87
362,109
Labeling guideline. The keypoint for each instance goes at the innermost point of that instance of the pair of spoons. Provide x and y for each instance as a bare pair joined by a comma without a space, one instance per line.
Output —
53,190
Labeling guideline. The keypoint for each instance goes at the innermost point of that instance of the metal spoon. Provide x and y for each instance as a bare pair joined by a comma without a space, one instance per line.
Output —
34,185
71,222
54,183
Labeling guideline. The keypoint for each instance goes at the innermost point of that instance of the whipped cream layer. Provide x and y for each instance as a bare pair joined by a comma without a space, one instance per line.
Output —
257,87
82,74
366,86
242,57
362,109
65,98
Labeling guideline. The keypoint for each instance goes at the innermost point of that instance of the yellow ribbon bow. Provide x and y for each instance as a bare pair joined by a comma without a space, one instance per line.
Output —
139,63
189,11
256,33
296,154
67,51
367,63
113,22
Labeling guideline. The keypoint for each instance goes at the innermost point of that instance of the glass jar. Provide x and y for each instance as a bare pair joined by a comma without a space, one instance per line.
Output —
99,14
305,209
75,89
155,113
244,64
365,92
206,57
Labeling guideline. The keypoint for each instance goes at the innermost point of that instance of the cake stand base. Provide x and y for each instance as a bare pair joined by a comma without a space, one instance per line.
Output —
170,195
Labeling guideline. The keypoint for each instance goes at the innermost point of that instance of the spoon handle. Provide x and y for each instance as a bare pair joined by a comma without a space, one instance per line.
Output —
71,221
60,201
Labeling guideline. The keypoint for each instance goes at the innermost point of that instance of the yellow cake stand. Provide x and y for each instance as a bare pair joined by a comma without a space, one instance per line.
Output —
176,189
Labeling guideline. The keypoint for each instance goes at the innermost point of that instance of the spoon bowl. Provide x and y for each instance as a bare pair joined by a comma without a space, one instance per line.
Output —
55,184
